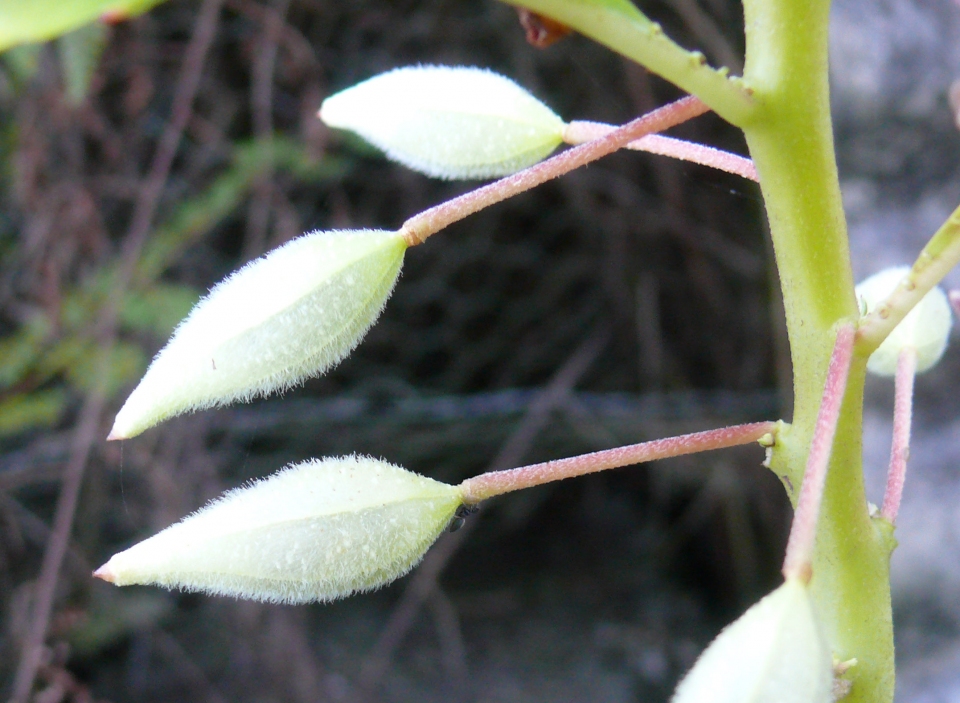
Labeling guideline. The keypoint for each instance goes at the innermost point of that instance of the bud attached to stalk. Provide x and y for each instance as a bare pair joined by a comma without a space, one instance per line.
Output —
448,122
925,328
287,316
314,531
773,652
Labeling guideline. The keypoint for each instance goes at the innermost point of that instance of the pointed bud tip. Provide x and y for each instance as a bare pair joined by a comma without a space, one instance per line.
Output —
105,573
122,428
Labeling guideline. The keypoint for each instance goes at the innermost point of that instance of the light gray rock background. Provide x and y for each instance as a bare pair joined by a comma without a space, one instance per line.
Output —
892,65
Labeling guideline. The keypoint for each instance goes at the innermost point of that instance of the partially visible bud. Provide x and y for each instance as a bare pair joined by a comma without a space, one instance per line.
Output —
448,122
287,316
315,531
926,327
774,652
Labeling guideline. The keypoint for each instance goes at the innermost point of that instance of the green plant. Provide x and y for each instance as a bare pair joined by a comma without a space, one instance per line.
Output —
781,103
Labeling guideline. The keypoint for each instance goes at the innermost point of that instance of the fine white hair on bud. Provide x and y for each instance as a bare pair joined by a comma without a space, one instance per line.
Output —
314,531
287,316
773,652
926,328
448,121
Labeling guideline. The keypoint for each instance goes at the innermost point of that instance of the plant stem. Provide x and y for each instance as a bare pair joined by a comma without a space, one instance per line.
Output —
619,25
496,483
940,255
790,137
579,131
799,560
900,446
419,227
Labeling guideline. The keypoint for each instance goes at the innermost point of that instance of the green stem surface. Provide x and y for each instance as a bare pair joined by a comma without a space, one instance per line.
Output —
619,25
791,142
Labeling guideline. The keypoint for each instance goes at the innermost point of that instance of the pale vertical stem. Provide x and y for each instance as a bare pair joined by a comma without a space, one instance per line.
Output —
954,297
496,483
797,563
900,447
578,132
419,227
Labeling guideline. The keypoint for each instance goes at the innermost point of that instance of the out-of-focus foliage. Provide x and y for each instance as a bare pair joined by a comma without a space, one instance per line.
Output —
26,21
482,319
79,53
60,345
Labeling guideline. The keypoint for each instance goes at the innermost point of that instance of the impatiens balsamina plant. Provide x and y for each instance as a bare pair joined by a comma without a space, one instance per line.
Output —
323,529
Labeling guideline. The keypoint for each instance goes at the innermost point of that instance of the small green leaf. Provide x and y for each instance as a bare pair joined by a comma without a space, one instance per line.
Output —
126,362
158,309
27,21
79,55
315,531
26,411
23,62
19,351
289,315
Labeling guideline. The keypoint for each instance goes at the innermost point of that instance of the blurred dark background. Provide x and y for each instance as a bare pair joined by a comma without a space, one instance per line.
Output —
626,301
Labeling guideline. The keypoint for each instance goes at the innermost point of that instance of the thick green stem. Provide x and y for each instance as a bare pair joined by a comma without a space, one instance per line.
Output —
621,26
791,143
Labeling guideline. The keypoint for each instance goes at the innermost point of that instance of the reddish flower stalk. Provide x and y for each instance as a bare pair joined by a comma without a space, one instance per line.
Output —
578,132
954,297
803,532
900,447
496,483
419,227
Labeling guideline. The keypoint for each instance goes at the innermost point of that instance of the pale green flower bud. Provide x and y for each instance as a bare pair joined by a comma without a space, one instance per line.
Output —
774,652
448,122
315,531
925,328
287,316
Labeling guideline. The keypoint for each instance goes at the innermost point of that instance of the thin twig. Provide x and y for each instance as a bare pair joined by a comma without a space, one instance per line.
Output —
88,424
424,580
188,82
709,34
261,104
496,483
87,430
453,653
803,532
185,665
418,228
580,132
900,446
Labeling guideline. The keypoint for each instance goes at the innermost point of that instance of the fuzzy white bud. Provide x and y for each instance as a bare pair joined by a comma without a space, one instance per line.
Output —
448,122
773,652
315,531
287,316
925,328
